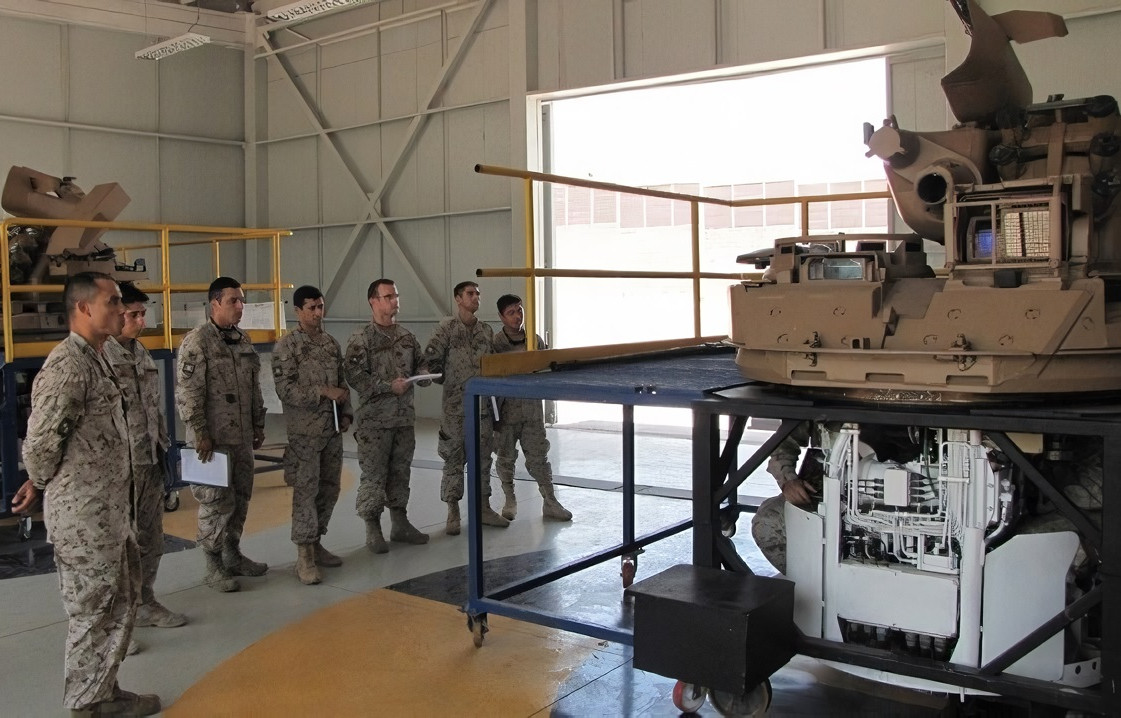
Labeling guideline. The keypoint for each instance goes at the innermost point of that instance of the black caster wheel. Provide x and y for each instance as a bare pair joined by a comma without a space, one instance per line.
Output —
752,704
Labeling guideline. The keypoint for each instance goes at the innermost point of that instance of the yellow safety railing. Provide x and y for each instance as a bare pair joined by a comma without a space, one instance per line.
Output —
531,271
168,339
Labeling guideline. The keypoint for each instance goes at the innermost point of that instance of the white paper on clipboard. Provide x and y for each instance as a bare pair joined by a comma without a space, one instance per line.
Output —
215,472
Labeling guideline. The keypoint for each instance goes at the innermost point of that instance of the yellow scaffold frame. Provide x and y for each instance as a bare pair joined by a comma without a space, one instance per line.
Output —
168,339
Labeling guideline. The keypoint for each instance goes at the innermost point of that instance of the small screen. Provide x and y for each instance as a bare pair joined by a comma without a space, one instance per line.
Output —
982,242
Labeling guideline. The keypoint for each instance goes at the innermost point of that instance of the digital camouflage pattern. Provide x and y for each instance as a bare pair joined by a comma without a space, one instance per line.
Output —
522,422
218,391
455,351
313,468
77,452
219,397
386,437
768,526
301,363
140,381
313,460
222,511
139,378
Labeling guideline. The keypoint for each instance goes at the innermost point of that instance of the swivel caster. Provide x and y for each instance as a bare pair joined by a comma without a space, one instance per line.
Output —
752,704
478,627
628,570
688,698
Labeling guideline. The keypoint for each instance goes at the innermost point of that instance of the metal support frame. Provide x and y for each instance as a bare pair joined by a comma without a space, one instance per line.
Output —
626,392
712,480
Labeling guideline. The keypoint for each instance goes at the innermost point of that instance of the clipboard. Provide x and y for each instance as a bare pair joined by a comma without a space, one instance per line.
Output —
215,472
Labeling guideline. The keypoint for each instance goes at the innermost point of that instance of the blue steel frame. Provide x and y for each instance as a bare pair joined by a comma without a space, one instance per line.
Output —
673,379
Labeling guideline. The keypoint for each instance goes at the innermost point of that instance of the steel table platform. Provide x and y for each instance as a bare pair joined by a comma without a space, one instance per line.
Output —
670,379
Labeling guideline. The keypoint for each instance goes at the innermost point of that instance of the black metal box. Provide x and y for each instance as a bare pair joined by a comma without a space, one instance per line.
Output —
713,628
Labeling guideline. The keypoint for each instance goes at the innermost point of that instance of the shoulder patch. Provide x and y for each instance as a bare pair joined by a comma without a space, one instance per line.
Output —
187,368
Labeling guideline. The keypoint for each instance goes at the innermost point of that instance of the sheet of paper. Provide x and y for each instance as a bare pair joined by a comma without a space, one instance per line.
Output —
215,472
258,315
422,377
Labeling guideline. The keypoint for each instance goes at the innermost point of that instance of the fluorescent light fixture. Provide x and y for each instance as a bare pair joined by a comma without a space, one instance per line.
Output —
307,8
172,46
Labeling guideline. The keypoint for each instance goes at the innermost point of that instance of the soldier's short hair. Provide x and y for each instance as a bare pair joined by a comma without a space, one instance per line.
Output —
81,287
130,294
219,285
506,300
372,291
304,293
463,285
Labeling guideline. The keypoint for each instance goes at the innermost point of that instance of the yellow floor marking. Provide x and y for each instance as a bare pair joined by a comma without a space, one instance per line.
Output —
389,653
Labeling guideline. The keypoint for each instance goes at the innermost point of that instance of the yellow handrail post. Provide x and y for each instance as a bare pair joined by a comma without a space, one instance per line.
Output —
216,248
530,263
804,206
695,216
278,309
165,280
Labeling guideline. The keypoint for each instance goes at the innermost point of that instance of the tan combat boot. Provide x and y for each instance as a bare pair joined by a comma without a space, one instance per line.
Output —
510,508
492,518
323,557
551,508
154,613
237,564
306,570
374,540
217,577
452,529
402,531
122,703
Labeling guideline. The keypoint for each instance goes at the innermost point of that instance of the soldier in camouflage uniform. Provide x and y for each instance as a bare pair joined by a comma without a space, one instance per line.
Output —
77,452
768,526
147,432
307,365
455,350
522,421
380,358
219,399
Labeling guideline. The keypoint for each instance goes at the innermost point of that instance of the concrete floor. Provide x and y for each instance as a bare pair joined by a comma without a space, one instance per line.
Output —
586,462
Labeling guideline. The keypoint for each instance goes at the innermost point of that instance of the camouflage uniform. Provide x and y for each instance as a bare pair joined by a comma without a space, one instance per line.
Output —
313,460
521,420
77,451
386,434
455,351
768,527
219,396
139,379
